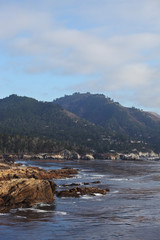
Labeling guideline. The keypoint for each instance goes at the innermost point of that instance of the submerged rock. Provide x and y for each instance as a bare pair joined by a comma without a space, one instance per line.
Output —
78,191
85,183
96,182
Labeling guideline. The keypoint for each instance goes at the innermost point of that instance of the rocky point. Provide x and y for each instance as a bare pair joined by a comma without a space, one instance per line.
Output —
24,186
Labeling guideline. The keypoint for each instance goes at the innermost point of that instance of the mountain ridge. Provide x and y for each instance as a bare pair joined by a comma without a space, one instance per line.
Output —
98,125
101,110
28,117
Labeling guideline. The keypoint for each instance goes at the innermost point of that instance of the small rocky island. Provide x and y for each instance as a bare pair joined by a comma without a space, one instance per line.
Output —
23,186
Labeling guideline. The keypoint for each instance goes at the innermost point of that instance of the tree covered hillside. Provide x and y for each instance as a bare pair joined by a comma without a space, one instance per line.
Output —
128,122
25,116
85,123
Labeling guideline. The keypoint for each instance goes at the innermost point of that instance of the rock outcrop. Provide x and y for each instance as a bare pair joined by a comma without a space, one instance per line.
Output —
8,172
25,193
78,191
22,186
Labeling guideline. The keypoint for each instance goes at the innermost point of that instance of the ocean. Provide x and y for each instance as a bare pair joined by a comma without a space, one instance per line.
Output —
130,211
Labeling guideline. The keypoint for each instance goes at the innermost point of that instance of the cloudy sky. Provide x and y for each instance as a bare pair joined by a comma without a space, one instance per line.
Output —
49,48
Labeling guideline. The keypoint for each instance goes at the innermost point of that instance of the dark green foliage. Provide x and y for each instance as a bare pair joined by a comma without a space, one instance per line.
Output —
25,144
128,123
27,117
30,126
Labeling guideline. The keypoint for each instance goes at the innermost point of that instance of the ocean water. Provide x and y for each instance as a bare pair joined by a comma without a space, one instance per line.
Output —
130,211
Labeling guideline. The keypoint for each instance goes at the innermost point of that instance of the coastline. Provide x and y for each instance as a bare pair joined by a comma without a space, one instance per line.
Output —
72,155
25,186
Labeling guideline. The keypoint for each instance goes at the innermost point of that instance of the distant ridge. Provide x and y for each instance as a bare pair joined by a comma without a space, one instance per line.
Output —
155,115
84,123
25,116
129,122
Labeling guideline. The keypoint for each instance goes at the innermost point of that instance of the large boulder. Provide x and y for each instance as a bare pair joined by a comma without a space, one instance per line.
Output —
66,154
25,193
88,157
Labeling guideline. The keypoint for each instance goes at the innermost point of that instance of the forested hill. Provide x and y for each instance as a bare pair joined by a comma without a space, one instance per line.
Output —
85,123
96,108
27,117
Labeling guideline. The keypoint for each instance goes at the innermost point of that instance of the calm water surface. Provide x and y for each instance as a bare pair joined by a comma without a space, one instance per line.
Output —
130,211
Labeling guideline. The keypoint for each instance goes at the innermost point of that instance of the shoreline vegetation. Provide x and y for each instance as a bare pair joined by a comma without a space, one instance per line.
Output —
25,186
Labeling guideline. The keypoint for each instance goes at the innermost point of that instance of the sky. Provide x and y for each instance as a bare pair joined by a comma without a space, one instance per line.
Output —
52,48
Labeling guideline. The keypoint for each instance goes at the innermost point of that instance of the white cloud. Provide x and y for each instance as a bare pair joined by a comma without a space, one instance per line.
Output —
115,43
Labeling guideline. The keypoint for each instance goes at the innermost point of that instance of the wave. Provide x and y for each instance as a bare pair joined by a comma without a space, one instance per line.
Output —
34,210
97,176
60,213
87,197
120,179
98,194
20,216
44,205
80,175
115,192
4,214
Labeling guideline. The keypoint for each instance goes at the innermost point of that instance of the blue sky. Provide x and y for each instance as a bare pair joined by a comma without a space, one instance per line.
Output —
49,48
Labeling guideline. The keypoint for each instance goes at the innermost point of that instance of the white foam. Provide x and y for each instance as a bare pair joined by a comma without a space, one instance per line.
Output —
21,216
43,205
21,209
115,192
34,210
87,197
60,213
120,179
98,194
97,176
40,210
4,214
80,175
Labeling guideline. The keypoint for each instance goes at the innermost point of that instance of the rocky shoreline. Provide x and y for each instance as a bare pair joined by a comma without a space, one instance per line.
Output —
23,186
72,155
